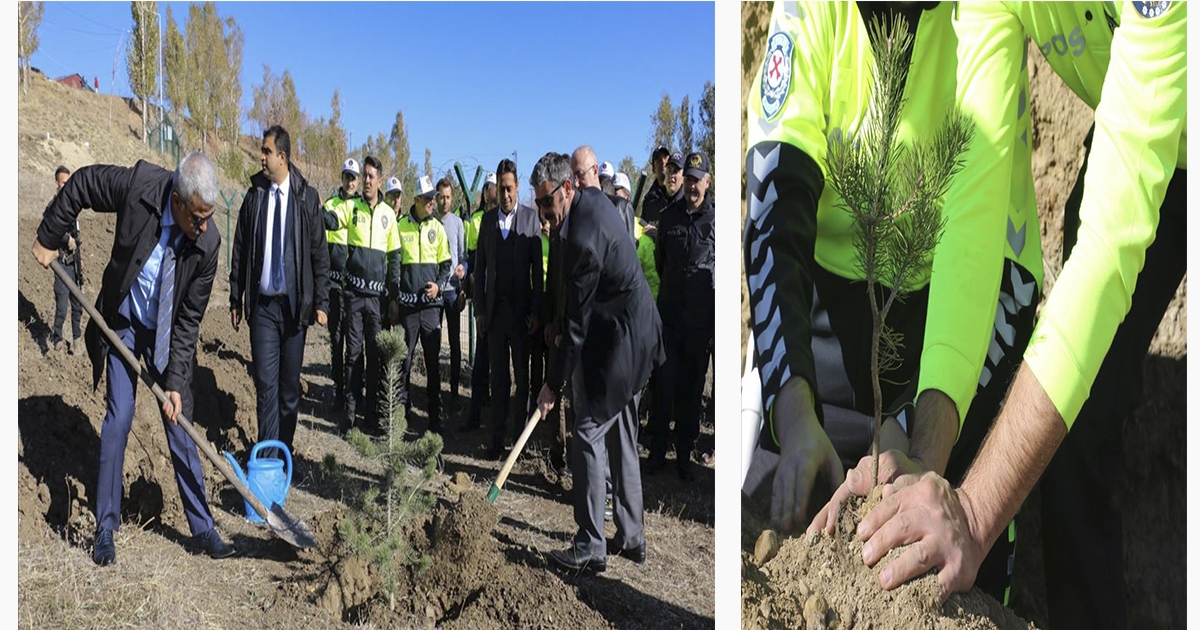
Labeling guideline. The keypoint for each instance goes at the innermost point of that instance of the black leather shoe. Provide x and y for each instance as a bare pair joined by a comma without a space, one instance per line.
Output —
210,543
105,552
637,554
571,560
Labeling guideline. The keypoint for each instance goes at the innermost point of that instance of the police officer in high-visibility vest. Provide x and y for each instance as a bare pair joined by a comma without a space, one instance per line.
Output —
372,271
337,268
424,276
969,312
1125,251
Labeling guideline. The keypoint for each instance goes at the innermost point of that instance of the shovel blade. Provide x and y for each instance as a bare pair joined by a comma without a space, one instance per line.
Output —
290,529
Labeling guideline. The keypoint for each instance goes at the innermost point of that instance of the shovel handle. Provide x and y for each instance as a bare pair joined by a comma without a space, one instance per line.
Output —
127,354
512,455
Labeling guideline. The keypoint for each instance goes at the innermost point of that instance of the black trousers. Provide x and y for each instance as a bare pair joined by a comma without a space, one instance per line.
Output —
679,385
61,296
424,325
277,348
363,323
337,345
480,380
454,336
1081,526
507,338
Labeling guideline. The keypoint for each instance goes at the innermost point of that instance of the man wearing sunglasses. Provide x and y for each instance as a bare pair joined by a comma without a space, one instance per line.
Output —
509,262
153,295
611,340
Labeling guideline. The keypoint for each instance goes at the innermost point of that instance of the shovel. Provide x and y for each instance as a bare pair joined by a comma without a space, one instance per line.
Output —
284,525
512,455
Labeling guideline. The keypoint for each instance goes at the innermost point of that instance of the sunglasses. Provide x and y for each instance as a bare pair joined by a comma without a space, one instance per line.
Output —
543,203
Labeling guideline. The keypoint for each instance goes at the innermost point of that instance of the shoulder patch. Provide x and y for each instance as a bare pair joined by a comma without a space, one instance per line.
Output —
1151,10
384,219
776,74
431,236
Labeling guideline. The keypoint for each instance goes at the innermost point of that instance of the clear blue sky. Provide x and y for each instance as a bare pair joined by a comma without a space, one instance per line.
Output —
476,81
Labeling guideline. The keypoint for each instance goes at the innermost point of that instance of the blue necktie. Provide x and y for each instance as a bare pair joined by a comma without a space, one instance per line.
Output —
277,251
166,303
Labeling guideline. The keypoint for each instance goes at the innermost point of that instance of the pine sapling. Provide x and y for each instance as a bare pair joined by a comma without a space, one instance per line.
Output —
376,528
894,194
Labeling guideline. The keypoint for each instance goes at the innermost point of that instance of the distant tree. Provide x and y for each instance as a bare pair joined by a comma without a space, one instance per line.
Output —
204,47
402,163
336,135
428,163
662,124
175,66
630,168
683,125
707,111
29,17
141,57
227,102
275,102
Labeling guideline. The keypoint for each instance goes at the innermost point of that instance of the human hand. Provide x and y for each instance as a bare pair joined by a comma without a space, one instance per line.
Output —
458,272
925,512
44,256
70,243
545,400
322,318
804,451
235,317
171,406
393,311
431,290
892,464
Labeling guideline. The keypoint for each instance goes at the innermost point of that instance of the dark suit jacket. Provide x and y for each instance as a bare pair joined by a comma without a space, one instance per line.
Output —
611,328
625,209
138,195
307,220
527,229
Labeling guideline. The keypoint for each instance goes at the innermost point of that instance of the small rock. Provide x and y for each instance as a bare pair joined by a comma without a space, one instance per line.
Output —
764,609
803,589
767,547
814,612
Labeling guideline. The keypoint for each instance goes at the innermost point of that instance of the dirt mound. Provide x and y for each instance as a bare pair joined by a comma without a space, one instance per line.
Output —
818,581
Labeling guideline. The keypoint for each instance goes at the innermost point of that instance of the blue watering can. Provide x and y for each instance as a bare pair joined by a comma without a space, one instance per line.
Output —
265,477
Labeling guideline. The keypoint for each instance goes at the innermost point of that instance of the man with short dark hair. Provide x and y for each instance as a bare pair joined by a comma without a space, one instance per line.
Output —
279,280
372,270
610,342
684,256
656,198
510,271
425,265
69,258
337,268
454,298
153,295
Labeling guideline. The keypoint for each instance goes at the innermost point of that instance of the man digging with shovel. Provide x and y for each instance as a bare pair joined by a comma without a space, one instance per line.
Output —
153,294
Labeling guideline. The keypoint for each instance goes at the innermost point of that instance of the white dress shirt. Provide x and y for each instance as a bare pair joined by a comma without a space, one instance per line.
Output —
264,282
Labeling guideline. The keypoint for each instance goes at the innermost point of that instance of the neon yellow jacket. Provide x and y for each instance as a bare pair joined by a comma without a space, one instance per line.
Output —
826,92
645,254
1140,139
373,261
337,240
424,258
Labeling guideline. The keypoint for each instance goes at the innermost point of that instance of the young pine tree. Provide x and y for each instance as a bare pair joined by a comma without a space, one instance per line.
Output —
376,527
894,193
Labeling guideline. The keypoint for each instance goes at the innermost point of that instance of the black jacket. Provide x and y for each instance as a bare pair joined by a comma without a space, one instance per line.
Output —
684,257
656,201
138,195
611,329
625,209
308,240
527,229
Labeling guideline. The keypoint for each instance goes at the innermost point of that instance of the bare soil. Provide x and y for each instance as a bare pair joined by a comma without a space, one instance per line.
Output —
489,565
1151,490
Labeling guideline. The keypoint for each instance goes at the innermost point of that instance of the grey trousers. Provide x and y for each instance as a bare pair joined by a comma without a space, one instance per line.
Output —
601,442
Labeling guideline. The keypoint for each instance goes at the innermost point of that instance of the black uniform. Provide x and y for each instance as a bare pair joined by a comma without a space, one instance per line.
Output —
684,258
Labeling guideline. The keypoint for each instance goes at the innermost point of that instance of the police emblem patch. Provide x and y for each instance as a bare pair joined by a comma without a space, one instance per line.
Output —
694,162
1149,10
776,74
385,222
431,237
